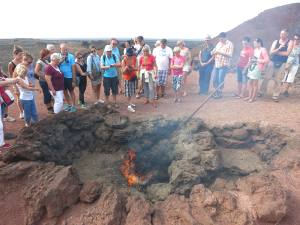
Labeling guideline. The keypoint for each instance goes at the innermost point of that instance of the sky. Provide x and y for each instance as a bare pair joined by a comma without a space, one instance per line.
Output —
187,19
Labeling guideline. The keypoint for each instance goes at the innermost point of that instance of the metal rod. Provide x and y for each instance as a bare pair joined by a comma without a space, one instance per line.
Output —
203,103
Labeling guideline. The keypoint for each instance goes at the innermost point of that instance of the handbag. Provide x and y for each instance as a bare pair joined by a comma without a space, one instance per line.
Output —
6,97
95,74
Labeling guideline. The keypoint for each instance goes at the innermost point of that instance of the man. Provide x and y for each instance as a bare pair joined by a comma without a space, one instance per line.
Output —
115,51
163,56
222,54
110,63
142,45
246,53
279,52
66,66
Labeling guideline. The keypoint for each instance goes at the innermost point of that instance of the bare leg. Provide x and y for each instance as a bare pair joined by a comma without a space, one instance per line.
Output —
67,97
73,98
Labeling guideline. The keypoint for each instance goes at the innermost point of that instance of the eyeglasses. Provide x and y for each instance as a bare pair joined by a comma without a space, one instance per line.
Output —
80,57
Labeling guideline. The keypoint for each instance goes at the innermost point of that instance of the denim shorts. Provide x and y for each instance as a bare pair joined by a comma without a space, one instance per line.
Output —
241,77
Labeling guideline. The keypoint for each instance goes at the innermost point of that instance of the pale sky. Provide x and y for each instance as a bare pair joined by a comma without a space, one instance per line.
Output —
188,19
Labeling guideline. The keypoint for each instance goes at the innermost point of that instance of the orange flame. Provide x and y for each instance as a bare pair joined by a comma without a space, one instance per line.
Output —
129,172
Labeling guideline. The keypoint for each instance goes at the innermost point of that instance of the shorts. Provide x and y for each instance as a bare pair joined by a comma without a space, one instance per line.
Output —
187,69
97,81
110,83
290,76
241,76
129,88
162,77
68,84
177,82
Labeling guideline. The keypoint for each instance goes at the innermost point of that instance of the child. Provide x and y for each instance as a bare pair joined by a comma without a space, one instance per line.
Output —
129,68
26,95
177,64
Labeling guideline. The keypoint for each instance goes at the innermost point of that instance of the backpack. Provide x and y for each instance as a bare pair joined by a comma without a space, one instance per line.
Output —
6,97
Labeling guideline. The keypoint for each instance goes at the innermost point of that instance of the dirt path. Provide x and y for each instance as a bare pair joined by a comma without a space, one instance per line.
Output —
225,110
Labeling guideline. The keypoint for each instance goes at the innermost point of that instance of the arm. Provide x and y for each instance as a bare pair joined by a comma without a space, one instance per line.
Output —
8,81
37,70
10,69
25,86
227,52
49,83
79,70
275,50
264,59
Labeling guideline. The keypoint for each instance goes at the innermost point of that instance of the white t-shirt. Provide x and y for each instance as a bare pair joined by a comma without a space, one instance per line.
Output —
25,94
162,57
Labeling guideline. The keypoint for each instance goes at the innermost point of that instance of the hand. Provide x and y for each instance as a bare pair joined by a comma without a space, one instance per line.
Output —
53,92
73,83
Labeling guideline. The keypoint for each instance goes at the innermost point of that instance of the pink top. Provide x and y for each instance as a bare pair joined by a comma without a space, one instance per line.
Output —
246,54
177,60
262,56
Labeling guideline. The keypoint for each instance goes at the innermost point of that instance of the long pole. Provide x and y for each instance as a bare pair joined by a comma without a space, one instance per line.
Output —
203,103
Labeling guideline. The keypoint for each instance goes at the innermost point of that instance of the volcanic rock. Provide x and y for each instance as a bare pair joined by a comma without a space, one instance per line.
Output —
90,192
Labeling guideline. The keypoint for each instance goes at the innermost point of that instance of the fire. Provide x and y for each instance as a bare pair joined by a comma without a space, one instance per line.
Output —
128,170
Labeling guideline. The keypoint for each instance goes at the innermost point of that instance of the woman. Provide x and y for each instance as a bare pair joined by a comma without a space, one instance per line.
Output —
94,70
206,66
3,83
291,66
241,70
81,74
177,65
55,82
187,68
255,67
17,59
40,72
129,69
27,60
147,68
26,95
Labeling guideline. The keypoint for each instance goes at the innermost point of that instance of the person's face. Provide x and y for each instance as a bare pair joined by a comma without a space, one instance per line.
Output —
127,45
177,53
19,56
108,53
283,35
27,61
80,57
146,52
245,43
223,40
99,51
64,50
114,43
256,44
93,50
163,45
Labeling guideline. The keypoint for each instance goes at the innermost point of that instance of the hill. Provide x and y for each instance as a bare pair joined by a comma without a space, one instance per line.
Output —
267,26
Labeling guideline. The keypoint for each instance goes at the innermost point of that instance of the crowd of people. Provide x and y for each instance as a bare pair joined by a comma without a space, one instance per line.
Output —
143,73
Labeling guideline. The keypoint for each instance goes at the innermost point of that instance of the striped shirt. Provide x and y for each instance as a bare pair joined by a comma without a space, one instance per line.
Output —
226,50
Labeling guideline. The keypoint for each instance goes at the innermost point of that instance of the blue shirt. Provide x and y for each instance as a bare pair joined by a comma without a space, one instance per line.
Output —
93,60
111,72
66,66
116,52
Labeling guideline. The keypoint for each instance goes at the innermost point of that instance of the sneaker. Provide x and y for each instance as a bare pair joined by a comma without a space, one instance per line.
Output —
26,125
130,108
259,94
83,106
100,101
9,119
286,94
6,146
67,107
156,97
275,99
179,100
72,109
133,105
